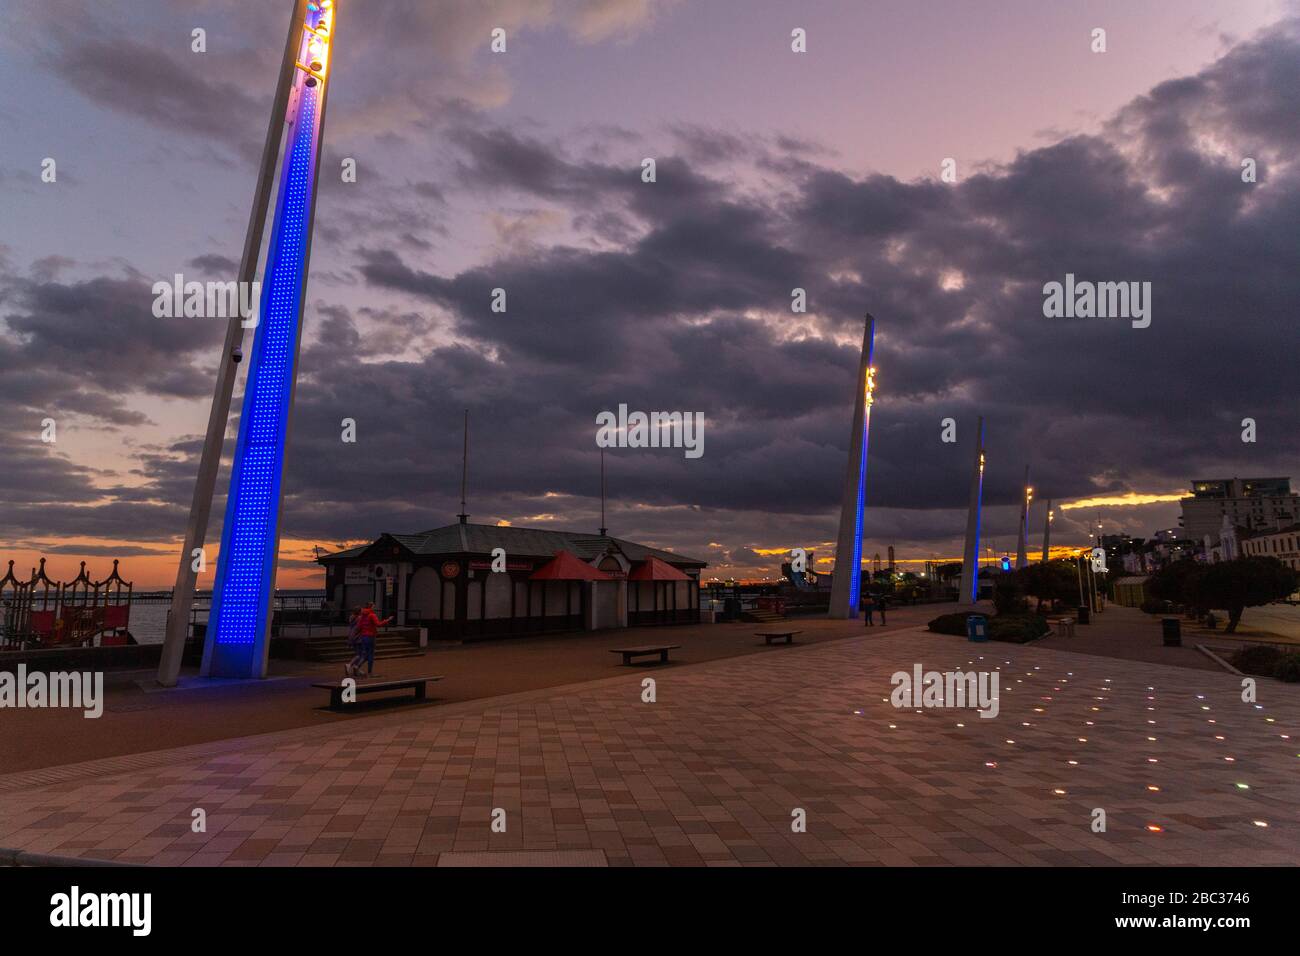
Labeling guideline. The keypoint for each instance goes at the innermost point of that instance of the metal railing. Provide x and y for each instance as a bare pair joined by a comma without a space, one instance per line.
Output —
295,611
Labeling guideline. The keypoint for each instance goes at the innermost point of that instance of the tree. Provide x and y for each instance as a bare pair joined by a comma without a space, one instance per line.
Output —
1179,582
1050,581
945,572
1008,595
1244,582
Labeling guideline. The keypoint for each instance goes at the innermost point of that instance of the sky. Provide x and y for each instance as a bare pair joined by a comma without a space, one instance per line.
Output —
775,170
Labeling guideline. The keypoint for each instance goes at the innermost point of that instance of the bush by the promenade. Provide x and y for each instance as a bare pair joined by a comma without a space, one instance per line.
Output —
1018,628
1258,659
1262,660
1014,628
949,624
1287,668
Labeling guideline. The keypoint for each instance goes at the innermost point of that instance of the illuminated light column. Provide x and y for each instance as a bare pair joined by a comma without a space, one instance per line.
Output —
846,581
1022,544
1047,531
239,625
970,566
178,619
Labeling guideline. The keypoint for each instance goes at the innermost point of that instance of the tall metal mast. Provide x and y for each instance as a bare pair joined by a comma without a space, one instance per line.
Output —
178,619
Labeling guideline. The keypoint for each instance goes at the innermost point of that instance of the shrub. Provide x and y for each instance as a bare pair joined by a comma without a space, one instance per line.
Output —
1017,628
1258,659
1013,628
1287,667
1156,606
949,624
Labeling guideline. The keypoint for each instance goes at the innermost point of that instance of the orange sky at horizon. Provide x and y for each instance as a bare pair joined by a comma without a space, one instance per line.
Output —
155,570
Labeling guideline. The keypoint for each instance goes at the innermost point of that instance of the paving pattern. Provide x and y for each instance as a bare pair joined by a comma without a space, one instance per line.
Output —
712,772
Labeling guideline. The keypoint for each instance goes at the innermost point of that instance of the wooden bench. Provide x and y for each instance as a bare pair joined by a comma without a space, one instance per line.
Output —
418,684
1064,626
648,650
770,636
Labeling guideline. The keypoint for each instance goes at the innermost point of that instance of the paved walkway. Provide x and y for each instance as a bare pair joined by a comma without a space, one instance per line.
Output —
1126,633
712,771
140,717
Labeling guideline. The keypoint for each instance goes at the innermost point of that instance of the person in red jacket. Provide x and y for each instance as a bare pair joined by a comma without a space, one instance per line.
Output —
367,623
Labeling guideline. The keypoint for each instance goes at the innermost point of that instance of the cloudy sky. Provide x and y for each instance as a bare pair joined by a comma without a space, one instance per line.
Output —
776,170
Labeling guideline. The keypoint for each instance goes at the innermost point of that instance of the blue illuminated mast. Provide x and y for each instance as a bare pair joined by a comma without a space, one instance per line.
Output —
846,581
238,634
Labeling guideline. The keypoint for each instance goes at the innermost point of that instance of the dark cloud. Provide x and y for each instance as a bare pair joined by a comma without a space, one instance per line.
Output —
676,296
954,275
82,346
215,265
180,95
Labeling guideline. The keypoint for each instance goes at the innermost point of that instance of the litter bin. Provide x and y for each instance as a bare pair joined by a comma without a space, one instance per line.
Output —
977,627
1173,631
1083,614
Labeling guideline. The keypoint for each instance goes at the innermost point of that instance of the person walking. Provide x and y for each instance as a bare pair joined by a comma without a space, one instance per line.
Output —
368,625
352,667
868,604
881,604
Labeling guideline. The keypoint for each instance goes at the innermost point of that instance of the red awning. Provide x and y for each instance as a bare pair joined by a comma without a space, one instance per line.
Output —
567,567
652,569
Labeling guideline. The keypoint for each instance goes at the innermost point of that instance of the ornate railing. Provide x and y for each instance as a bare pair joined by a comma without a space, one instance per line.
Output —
40,612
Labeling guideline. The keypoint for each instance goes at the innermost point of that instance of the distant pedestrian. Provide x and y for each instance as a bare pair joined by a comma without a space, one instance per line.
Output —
867,604
880,606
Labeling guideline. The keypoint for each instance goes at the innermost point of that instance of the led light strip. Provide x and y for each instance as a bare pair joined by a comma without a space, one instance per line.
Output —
241,602
868,399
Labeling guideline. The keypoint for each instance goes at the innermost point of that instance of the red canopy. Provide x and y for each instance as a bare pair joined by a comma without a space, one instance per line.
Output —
652,569
568,567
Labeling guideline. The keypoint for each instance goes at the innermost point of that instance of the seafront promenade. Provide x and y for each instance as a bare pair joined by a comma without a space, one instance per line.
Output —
715,771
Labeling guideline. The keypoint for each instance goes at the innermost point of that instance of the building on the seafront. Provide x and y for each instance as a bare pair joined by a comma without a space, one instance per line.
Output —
1283,544
547,580
1131,591
1255,504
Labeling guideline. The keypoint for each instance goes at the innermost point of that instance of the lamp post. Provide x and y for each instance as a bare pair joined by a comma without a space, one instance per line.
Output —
970,560
846,582
1078,573
1022,535
1047,530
